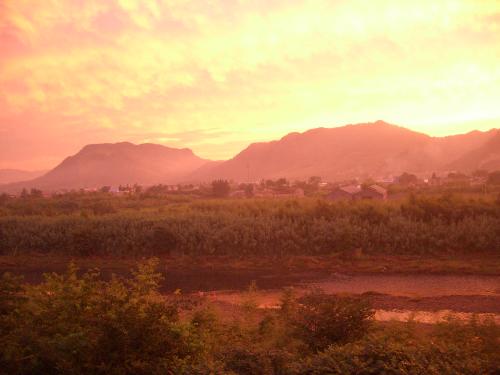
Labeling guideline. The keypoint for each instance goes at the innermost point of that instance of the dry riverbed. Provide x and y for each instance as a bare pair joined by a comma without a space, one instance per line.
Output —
422,298
399,288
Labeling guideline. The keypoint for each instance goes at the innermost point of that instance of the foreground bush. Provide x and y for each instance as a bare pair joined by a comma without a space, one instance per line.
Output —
72,324
320,320
454,350
80,325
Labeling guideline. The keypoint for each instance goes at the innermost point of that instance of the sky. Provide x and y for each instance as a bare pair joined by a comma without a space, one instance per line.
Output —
216,76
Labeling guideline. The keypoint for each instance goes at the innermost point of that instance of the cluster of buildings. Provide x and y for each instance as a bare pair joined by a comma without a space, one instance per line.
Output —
358,192
348,192
289,192
281,188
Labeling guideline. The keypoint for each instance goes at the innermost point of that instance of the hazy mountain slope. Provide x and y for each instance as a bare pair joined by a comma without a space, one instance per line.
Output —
455,146
14,175
349,151
119,163
486,156
373,149
206,169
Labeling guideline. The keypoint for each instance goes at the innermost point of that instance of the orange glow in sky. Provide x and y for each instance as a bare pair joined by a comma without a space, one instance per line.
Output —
217,75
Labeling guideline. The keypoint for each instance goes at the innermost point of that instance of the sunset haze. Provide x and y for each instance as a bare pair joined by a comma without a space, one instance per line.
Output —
215,76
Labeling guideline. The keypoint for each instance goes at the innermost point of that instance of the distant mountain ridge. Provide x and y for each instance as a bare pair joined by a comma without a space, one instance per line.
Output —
486,156
361,150
117,164
371,149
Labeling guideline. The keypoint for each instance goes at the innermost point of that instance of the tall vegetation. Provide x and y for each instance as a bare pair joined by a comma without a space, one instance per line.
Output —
220,188
81,325
252,227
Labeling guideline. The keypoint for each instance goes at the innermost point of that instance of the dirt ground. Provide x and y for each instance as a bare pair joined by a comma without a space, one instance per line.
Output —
395,295
467,304
392,284
188,279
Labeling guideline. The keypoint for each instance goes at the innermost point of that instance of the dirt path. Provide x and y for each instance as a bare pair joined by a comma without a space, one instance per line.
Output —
388,307
423,298
389,292
415,285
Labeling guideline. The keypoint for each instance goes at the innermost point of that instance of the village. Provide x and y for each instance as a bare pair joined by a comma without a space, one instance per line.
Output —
381,188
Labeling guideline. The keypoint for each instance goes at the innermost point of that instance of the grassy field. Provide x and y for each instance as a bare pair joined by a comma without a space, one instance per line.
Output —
98,225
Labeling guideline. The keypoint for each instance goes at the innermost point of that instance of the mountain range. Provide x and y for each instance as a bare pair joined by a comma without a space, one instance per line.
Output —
116,164
362,150
372,149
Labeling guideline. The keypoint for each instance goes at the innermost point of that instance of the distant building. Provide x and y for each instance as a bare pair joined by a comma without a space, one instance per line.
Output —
344,192
292,192
264,193
355,192
478,181
386,180
238,194
435,180
372,192
281,193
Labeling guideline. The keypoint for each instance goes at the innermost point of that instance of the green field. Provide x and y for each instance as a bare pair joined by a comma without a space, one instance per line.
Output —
102,225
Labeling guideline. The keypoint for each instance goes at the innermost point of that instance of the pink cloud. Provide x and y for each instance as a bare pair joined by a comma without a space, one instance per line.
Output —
75,72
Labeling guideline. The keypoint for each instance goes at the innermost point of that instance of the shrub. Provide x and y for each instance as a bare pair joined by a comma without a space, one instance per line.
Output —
80,325
408,353
320,320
